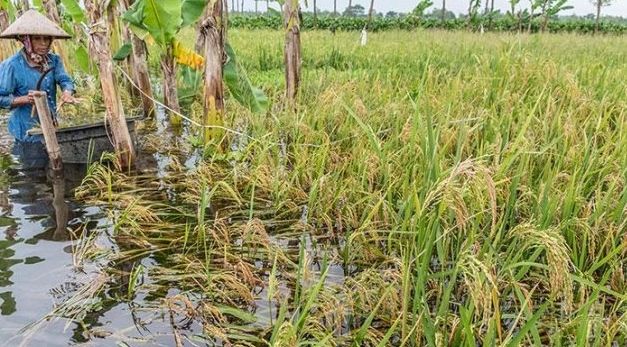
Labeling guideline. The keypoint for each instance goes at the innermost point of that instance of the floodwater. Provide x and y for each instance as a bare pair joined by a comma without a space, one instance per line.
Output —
40,227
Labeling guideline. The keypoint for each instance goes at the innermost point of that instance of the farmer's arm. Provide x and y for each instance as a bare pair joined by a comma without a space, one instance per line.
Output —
64,81
7,89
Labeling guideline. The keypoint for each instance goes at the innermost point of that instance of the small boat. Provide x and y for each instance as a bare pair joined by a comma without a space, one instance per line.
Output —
81,144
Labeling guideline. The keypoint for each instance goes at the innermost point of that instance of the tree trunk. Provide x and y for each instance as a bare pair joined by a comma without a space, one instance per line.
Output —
4,19
598,19
443,14
335,8
292,49
138,64
242,6
99,49
315,14
213,31
23,6
142,76
370,12
470,4
170,93
51,10
7,47
53,14
545,16
491,15
530,20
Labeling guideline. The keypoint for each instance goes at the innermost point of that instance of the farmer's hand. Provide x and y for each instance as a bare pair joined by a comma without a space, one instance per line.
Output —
23,100
68,98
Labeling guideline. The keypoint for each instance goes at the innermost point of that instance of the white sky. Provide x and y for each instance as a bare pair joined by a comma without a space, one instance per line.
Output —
581,7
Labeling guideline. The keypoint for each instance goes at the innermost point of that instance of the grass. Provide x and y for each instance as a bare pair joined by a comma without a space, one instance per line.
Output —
470,190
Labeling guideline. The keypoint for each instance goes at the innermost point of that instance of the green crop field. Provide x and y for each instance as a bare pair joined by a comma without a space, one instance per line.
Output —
431,188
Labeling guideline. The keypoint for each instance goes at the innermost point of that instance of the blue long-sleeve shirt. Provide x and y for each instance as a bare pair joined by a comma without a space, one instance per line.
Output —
17,77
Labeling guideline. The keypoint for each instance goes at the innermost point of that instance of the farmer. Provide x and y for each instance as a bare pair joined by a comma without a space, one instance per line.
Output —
20,74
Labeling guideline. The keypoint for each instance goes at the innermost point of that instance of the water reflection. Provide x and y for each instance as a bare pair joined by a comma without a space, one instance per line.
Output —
38,221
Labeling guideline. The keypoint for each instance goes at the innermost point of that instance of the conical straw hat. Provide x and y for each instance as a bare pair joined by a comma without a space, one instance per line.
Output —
34,23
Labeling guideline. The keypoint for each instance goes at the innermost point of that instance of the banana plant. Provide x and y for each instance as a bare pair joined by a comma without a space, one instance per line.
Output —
553,8
162,20
420,9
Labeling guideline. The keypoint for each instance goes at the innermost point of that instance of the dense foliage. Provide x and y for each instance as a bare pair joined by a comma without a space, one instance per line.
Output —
409,23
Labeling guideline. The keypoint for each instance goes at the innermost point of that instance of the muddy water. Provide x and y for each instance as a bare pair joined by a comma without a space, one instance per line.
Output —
40,227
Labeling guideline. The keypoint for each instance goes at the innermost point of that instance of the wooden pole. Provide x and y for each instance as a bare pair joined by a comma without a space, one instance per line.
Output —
292,52
213,30
61,210
99,49
48,129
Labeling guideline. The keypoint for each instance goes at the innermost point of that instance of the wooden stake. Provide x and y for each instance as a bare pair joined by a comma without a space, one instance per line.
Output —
292,49
48,129
61,210
99,49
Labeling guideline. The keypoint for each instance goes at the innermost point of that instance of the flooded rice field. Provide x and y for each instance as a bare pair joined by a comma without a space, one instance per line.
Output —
41,225
65,278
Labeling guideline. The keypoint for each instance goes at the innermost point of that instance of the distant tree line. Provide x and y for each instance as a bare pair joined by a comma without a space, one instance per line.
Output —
538,16
497,22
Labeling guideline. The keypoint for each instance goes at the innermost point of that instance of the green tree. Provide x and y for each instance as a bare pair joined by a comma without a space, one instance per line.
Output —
355,11
598,4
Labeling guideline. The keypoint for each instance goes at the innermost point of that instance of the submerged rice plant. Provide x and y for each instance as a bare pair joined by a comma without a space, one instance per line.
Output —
431,189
